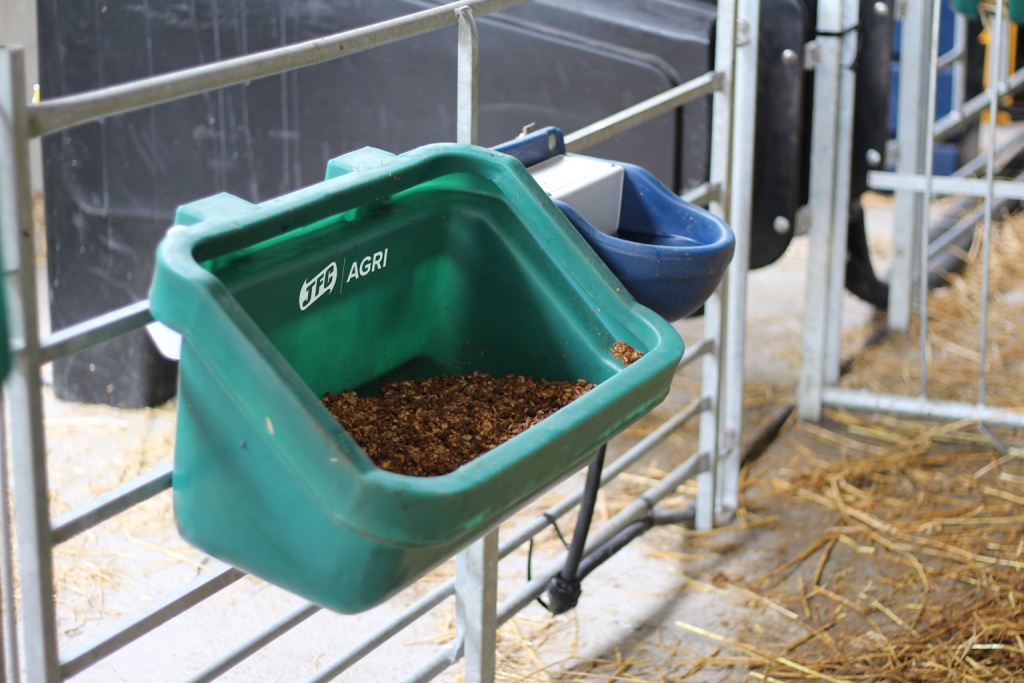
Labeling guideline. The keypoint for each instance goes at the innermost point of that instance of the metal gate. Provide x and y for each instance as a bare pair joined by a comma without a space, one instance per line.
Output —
30,649
915,187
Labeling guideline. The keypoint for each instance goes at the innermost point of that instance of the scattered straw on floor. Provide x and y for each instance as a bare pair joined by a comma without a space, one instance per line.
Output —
934,513
954,323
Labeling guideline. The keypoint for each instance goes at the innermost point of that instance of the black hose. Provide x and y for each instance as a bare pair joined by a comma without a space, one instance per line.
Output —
564,589
615,544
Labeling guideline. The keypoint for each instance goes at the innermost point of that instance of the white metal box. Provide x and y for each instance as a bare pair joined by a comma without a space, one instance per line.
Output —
591,186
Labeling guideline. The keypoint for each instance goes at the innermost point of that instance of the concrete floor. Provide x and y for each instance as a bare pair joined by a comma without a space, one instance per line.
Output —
129,561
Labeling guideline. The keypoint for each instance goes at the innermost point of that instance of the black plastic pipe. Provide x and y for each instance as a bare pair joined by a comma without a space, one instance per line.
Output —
564,589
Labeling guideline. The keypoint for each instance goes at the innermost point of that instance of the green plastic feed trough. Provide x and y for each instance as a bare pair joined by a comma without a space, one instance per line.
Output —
447,259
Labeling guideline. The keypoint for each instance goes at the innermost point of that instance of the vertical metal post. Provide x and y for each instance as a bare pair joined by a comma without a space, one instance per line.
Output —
715,306
959,65
476,607
996,62
824,132
468,80
914,46
925,224
744,110
22,385
10,620
476,568
841,201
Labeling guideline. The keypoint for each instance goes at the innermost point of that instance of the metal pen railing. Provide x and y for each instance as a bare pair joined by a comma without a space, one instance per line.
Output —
916,185
716,465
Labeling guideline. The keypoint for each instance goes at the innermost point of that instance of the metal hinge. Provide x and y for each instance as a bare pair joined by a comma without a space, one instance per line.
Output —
899,9
812,55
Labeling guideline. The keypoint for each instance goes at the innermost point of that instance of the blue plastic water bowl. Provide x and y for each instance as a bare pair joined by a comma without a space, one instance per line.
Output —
668,253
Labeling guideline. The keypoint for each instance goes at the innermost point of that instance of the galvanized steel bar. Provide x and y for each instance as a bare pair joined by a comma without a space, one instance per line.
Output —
435,666
24,393
972,108
113,502
994,77
955,53
726,459
944,185
824,131
11,668
249,647
642,112
702,194
958,60
468,77
476,567
715,332
949,57
95,331
65,112
862,399
476,600
925,224
143,620
379,637
1004,154
965,224
832,352
914,45
703,348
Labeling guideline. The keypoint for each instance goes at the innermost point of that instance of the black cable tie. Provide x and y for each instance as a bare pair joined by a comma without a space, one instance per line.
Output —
551,518
529,571
837,34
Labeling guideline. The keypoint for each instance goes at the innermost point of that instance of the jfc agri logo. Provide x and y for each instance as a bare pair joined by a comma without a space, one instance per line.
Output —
322,283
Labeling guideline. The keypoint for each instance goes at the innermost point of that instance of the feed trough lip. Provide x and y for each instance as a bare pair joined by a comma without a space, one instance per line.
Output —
183,252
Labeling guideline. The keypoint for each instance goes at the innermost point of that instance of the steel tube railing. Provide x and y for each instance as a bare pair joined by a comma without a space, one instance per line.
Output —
994,79
948,57
22,385
142,621
925,222
945,185
964,225
9,616
862,399
642,112
248,648
972,108
1004,154
411,614
702,194
111,503
73,110
95,331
